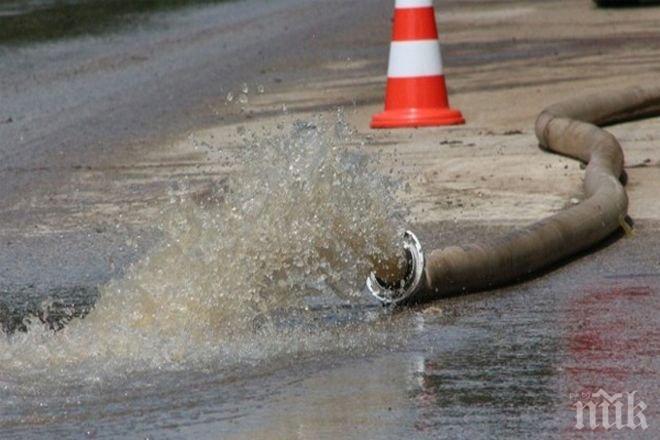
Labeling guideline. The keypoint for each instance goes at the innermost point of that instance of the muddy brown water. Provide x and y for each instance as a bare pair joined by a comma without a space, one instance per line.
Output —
504,364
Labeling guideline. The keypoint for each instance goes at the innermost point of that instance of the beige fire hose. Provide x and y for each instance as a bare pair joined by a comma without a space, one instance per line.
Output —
569,128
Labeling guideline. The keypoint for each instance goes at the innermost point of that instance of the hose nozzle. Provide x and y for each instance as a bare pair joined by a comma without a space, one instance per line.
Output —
393,294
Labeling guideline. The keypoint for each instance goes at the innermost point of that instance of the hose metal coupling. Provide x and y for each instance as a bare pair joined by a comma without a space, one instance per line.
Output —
392,295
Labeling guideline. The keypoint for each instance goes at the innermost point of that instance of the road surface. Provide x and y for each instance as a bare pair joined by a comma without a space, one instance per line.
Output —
100,131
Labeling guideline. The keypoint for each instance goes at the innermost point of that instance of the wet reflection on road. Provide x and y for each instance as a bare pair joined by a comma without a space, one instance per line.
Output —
611,345
23,21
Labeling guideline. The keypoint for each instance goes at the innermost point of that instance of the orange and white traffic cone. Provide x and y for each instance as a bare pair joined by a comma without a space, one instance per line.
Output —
416,93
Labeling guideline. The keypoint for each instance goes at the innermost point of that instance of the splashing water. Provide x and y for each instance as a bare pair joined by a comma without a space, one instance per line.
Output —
234,275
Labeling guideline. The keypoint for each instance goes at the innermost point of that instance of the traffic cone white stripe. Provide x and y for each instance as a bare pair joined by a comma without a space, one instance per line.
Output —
414,58
400,4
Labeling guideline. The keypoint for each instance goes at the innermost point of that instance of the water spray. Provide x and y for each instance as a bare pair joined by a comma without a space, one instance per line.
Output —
570,128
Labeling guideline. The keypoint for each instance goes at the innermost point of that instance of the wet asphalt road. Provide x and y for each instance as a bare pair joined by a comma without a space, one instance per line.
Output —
99,101
78,102
503,364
